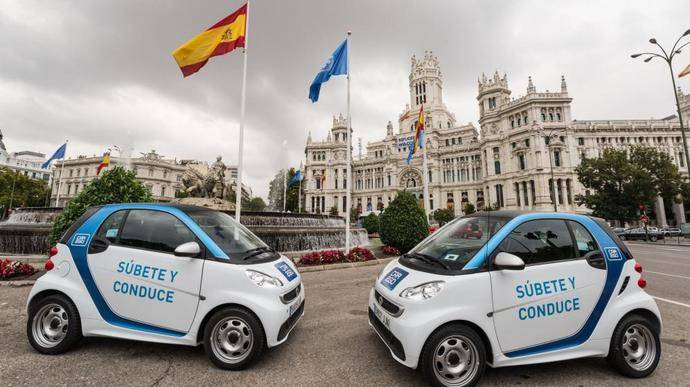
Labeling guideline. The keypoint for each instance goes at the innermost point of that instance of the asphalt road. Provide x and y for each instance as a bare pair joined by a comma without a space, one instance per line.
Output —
333,344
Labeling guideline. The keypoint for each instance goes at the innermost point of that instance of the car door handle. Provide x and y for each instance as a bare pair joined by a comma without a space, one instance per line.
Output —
98,245
596,259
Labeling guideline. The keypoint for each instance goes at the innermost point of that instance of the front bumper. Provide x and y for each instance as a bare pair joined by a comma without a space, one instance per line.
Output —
282,317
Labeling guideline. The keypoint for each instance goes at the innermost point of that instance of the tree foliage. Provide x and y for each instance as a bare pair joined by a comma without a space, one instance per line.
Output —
444,215
116,185
27,192
276,191
371,223
403,224
255,204
622,180
469,209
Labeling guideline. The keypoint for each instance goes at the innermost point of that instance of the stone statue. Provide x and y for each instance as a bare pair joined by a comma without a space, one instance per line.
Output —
202,181
218,173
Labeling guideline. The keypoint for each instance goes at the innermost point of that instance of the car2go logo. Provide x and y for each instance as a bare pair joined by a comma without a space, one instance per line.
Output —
80,239
394,277
613,253
286,270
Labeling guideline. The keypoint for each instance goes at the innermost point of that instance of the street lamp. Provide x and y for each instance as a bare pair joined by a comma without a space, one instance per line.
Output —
668,58
550,135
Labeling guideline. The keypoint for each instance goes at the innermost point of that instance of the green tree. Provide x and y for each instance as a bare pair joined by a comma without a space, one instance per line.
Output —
403,224
469,209
622,180
255,204
355,212
27,192
276,191
444,215
116,185
333,211
371,223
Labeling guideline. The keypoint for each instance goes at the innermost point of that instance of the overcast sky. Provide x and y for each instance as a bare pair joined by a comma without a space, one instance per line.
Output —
100,72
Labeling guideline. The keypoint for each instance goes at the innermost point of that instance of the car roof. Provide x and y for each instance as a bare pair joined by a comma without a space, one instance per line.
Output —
187,208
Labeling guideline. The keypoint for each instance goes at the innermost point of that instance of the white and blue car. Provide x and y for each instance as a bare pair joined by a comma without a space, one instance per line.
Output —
507,288
167,274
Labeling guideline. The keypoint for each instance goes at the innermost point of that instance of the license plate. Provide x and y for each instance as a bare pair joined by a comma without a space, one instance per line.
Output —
293,308
382,316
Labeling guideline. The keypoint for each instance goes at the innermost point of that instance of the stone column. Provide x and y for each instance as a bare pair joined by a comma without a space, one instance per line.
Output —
679,213
660,212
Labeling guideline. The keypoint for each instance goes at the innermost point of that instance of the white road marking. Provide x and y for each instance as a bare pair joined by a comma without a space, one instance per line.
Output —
658,247
671,301
668,275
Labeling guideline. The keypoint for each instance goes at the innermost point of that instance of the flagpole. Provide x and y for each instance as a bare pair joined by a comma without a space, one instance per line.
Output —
285,175
62,170
425,178
299,194
349,152
238,188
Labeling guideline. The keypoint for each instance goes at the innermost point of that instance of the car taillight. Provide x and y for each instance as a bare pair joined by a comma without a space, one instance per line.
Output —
49,265
53,251
642,282
638,267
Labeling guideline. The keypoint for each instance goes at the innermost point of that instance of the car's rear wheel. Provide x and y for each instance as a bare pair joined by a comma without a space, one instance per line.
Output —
653,238
234,338
635,347
453,356
53,326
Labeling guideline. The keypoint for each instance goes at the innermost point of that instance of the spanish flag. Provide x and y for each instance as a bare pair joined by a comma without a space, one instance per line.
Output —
220,39
418,140
105,163
684,72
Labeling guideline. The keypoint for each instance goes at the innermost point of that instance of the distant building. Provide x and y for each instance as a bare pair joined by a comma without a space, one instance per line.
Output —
26,162
505,163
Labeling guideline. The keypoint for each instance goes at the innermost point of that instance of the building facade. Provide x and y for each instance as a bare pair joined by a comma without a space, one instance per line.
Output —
25,162
522,156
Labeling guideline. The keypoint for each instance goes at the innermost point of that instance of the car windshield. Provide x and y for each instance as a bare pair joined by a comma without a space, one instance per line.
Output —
233,238
454,244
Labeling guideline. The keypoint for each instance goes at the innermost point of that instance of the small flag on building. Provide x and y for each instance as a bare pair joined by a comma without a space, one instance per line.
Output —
59,154
219,39
335,65
104,164
418,140
685,72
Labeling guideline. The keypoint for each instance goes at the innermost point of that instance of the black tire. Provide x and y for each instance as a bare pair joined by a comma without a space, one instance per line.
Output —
241,323
53,325
431,368
653,238
618,350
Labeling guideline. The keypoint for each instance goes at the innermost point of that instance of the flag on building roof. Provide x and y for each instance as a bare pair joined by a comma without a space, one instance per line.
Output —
418,140
335,65
104,164
295,178
59,154
685,72
219,39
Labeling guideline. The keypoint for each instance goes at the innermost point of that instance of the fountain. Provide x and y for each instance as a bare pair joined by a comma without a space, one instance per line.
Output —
26,230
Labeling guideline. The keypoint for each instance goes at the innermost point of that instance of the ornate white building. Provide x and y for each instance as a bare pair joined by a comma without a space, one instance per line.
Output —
26,162
504,164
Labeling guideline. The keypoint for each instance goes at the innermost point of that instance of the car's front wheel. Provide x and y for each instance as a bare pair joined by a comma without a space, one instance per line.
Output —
635,347
453,356
234,338
53,326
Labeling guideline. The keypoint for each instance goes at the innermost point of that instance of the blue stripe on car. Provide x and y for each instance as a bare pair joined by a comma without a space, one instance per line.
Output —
79,255
614,268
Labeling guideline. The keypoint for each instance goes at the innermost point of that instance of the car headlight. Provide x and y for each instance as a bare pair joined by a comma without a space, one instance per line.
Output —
423,291
263,280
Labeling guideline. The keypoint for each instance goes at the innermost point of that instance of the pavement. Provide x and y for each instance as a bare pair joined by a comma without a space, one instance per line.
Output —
333,344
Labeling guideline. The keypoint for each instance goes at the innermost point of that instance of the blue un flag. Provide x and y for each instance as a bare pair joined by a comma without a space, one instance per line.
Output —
59,153
335,65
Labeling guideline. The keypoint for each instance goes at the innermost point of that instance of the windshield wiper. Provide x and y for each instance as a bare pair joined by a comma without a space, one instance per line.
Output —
427,259
254,252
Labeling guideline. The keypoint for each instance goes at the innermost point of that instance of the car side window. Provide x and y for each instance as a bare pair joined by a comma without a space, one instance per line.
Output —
584,241
540,241
154,230
110,229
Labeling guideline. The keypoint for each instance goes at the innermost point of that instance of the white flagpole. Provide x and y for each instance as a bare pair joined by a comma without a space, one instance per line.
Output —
299,194
425,178
62,172
238,188
348,189
285,175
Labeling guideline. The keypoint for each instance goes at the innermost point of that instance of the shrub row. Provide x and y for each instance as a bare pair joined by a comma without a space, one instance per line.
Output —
357,254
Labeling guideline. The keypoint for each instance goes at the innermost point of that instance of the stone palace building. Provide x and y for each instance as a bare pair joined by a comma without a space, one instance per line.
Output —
506,163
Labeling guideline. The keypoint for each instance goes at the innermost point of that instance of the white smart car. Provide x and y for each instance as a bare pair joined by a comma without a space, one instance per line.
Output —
507,288
167,274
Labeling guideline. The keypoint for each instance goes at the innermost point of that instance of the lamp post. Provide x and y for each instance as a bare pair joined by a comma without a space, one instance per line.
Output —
668,58
551,134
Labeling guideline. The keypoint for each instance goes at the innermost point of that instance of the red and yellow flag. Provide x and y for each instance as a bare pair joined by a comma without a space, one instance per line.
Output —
104,163
220,39
685,72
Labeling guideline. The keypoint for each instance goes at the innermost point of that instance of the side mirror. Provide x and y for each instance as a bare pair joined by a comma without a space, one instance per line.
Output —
507,261
189,249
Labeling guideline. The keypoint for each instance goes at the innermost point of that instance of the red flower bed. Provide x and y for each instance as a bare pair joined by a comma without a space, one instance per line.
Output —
9,269
432,229
360,254
390,250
